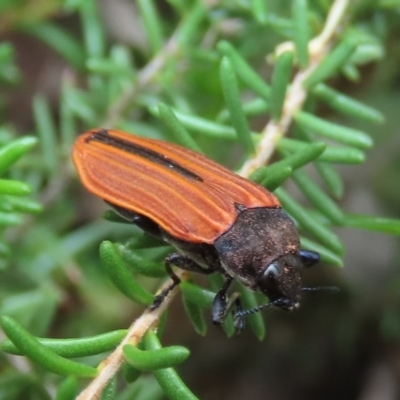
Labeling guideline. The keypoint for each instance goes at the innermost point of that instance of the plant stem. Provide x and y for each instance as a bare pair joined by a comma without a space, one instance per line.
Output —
296,94
111,365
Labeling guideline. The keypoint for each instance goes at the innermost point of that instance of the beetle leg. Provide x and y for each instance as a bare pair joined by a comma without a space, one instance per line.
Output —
220,307
185,263
182,262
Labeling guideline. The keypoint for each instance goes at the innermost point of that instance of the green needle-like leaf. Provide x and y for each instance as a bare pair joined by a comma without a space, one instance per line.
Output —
15,188
141,265
108,67
167,378
318,198
181,135
72,348
68,389
10,219
332,62
255,321
331,178
49,360
110,391
371,223
150,360
352,137
303,156
197,295
346,105
244,71
79,103
202,125
92,28
11,152
120,275
113,216
300,31
280,82
326,255
24,205
129,373
252,108
67,121
191,23
232,99
324,235
152,24
196,316
275,176
47,131
260,11
342,155
142,241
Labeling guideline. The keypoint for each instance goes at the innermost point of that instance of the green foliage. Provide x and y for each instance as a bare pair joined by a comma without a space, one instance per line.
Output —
200,86
120,275
72,348
181,135
32,348
167,378
151,360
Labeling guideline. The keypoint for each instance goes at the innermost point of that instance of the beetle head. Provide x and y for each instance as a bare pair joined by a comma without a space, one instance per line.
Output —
281,281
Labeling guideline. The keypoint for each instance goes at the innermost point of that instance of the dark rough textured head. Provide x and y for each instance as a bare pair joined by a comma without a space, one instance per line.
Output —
281,281
262,251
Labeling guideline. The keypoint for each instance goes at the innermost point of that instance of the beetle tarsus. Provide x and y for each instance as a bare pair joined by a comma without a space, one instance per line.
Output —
238,318
221,308
170,260
160,297
220,305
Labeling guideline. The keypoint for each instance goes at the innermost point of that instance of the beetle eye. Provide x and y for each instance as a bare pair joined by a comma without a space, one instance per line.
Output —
273,271
281,281
269,281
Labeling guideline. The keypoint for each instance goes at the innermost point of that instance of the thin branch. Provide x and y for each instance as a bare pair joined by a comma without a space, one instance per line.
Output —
296,94
112,364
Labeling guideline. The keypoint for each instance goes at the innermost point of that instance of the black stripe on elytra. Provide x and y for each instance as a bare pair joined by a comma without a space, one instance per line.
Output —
103,136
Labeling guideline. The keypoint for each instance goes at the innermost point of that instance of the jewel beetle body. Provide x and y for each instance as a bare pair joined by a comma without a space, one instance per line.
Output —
217,220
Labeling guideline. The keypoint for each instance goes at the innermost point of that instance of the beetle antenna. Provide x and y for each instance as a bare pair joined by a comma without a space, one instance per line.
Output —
250,311
330,289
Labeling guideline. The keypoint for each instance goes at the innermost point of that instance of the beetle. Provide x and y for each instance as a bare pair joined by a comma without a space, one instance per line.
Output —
217,220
